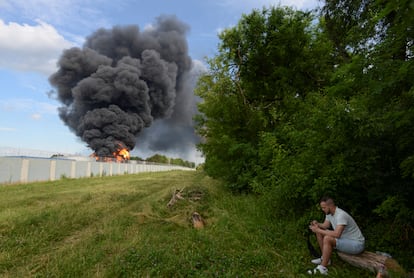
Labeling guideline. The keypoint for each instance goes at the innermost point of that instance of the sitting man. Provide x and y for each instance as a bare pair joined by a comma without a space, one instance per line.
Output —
345,236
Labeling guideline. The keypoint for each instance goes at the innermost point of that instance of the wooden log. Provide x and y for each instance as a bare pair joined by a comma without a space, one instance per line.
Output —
175,197
198,222
377,263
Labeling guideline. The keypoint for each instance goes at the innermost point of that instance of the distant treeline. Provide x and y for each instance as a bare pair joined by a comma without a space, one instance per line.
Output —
157,158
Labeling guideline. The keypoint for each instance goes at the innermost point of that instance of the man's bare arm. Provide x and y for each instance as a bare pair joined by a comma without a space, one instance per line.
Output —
335,233
325,225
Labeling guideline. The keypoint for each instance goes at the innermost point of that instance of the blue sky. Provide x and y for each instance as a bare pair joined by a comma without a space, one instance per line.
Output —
33,34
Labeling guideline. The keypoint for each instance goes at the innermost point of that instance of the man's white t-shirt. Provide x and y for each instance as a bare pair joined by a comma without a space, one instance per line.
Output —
351,230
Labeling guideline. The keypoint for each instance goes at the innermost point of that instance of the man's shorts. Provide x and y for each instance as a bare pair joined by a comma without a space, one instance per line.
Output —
350,246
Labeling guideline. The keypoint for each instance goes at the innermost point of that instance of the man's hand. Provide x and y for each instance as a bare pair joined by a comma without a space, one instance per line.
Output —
314,226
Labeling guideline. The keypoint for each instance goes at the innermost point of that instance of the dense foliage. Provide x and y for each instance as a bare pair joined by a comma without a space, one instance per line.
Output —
294,110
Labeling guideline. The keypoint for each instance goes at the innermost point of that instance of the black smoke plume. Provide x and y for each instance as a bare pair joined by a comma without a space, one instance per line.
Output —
122,80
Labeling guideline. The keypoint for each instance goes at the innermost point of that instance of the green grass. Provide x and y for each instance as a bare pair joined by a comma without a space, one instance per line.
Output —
121,227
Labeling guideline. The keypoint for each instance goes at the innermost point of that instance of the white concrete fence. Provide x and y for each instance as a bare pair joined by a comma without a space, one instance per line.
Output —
30,169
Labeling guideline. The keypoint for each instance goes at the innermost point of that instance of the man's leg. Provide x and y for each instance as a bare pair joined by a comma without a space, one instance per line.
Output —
319,238
328,244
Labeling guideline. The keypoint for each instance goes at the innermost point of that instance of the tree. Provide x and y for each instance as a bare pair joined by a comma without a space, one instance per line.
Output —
157,158
266,65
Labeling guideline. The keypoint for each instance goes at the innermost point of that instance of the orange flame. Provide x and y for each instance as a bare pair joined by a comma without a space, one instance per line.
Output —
121,155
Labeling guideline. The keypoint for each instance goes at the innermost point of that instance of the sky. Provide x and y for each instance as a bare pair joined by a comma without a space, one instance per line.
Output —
33,34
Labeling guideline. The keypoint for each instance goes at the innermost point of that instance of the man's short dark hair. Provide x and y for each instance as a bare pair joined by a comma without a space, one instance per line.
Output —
327,199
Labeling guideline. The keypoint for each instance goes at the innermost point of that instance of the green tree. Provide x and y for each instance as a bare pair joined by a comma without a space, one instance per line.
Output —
182,162
158,158
266,66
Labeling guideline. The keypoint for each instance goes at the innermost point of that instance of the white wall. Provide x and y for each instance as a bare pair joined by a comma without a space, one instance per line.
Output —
30,169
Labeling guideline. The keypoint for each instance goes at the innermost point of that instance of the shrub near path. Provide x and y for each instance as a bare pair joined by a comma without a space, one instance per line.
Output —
121,227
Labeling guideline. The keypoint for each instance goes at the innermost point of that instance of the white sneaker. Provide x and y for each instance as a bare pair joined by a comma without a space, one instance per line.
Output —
319,261
319,269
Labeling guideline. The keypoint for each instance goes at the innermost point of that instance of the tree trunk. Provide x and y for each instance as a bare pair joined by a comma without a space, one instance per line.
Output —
175,197
377,263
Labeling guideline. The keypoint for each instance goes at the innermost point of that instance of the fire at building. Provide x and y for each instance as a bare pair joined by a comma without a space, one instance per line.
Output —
120,155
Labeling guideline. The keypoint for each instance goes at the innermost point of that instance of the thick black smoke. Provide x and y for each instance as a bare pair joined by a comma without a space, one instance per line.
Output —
122,80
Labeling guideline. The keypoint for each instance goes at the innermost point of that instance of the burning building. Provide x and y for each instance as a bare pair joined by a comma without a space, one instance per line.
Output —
120,155
120,82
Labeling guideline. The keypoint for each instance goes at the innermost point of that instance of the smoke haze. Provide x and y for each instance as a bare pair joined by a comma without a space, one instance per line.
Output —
122,81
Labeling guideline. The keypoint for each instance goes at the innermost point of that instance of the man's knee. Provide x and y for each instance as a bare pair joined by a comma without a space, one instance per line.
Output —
319,235
329,240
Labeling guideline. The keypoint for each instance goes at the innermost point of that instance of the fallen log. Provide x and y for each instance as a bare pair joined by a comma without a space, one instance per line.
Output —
198,222
376,262
175,197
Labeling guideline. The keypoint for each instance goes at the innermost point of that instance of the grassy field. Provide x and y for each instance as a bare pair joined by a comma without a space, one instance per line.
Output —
121,227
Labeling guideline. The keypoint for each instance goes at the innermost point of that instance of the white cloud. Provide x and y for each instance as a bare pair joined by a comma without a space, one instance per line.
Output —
27,105
63,13
36,116
149,27
7,129
198,66
30,47
4,4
